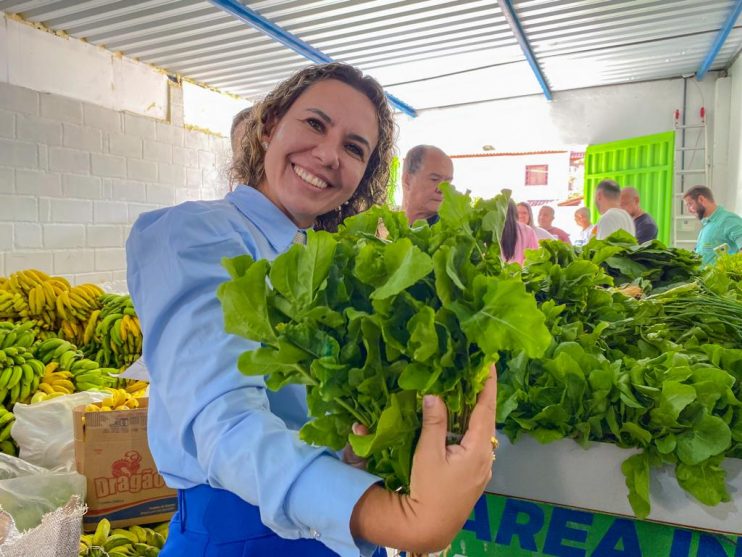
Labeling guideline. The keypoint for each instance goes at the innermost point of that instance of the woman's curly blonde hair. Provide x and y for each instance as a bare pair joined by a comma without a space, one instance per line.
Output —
248,165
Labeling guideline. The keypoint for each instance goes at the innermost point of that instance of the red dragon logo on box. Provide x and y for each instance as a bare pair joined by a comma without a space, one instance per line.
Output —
126,477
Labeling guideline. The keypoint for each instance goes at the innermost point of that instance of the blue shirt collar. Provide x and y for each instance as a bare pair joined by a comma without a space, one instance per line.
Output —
278,229
717,212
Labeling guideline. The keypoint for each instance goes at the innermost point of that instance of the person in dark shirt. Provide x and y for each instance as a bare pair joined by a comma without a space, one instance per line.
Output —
646,228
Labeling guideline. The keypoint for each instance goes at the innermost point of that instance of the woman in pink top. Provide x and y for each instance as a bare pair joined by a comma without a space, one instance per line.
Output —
516,237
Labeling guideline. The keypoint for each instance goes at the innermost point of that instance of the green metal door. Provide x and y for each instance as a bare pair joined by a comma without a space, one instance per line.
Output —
645,163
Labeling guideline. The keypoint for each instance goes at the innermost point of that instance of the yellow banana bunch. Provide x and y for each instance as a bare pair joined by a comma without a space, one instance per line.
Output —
49,301
138,389
54,383
119,399
135,541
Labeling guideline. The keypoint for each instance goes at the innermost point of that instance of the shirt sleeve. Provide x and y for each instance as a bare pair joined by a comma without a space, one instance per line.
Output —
220,417
735,232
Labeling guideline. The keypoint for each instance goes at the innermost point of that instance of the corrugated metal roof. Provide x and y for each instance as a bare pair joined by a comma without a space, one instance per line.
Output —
427,52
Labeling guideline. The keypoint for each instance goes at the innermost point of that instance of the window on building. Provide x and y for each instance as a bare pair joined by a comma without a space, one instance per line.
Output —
537,175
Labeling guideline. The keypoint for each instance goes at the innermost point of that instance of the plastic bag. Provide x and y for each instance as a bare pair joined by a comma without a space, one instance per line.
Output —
57,535
28,492
44,431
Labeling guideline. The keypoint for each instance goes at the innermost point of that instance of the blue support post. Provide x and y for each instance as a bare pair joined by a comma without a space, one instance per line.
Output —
254,19
507,10
719,40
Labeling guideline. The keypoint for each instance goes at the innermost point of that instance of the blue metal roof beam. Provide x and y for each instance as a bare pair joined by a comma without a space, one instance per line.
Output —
253,18
506,7
719,41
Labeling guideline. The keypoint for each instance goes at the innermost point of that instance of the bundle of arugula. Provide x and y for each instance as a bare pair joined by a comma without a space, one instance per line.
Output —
662,373
372,324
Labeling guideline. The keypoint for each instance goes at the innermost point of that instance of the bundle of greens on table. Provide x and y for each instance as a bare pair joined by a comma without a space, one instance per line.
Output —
662,373
370,322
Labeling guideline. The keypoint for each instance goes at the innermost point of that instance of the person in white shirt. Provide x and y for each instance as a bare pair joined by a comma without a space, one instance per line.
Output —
612,217
582,218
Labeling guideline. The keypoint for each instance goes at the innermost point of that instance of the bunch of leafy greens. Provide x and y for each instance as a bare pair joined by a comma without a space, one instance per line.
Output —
724,277
662,374
370,324
653,262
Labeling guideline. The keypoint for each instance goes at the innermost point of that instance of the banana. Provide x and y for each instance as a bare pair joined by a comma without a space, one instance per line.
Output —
67,359
125,533
6,418
139,532
46,388
122,327
116,540
62,349
63,386
36,366
15,377
14,394
8,447
50,368
9,340
162,529
5,431
90,326
60,303
154,539
101,532
5,378
49,294
136,386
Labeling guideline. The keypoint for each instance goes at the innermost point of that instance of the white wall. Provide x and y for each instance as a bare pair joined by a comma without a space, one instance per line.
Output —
734,171
573,118
84,149
486,176
47,63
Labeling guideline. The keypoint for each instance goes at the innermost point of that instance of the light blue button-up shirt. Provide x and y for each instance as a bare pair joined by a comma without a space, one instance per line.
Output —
722,227
208,423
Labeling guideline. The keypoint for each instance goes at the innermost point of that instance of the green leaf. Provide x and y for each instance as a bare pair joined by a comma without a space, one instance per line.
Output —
709,437
508,319
245,305
299,272
673,399
636,471
405,265
397,423
237,266
423,342
705,481
455,208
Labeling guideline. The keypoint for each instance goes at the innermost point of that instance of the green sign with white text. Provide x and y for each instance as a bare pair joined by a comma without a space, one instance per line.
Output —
501,526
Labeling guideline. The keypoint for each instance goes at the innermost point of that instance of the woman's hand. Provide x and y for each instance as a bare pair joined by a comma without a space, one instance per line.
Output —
446,482
351,458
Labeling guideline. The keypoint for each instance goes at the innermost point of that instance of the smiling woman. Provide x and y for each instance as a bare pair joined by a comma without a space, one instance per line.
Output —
315,150
329,127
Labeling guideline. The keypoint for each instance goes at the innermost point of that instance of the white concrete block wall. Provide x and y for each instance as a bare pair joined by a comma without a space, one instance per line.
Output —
74,176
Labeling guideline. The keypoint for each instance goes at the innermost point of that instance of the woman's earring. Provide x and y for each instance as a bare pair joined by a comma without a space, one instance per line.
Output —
264,144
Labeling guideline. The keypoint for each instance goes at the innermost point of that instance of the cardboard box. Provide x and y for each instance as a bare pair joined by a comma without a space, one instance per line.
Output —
123,484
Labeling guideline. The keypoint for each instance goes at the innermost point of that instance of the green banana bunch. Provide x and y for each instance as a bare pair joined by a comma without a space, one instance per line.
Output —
135,541
20,371
117,341
7,419
86,374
